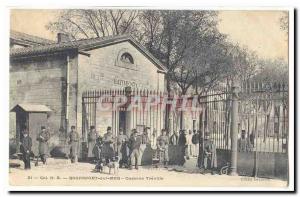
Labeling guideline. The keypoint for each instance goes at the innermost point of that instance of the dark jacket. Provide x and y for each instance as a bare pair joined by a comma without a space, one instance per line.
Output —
182,140
196,138
135,143
174,139
26,144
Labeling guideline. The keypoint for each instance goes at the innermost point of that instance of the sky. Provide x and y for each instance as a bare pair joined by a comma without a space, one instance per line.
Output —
258,30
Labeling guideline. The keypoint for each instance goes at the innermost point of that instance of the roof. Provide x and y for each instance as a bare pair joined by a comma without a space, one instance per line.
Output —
28,40
84,45
31,108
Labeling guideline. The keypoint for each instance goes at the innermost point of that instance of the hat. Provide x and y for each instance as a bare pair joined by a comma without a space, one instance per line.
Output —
43,127
72,127
92,127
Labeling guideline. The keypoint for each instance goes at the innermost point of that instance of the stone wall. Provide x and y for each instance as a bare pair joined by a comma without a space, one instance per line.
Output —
38,81
103,69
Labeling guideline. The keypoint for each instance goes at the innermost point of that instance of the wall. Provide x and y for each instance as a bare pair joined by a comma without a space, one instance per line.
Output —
38,81
103,70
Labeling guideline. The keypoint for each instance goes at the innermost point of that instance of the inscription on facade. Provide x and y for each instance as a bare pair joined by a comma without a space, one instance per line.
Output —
133,84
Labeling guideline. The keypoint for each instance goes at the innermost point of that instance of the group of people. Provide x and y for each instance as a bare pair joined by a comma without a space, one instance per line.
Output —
128,150
26,145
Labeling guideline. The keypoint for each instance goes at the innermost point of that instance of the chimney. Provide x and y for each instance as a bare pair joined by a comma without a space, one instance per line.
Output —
61,37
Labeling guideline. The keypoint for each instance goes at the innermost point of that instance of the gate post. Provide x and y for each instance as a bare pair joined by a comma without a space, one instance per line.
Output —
234,129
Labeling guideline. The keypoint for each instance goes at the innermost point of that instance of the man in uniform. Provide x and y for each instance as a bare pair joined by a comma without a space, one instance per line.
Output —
195,141
92,137
163,146
244,144
182,144
174,139
73,141
25,148
43,138
209,154
123,149
134,145
108,146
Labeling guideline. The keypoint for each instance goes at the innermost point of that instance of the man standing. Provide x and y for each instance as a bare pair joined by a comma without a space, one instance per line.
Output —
25,148
163,147
134,144
195,141
182,143
43,138
92,137
108,146
174,139
73,141
123,150
244,144
210,155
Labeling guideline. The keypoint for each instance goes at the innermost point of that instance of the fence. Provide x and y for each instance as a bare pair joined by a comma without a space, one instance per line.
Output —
262,121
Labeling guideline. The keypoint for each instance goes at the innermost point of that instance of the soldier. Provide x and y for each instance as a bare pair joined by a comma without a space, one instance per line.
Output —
43,138
174,139
108,146
182,143
209,154
123,149
145,137
97,150
244,144
163,146
25,148
92,137
73,141
195,141
134,146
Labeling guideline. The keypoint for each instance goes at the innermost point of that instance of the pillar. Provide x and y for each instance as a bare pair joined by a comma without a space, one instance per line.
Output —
234,130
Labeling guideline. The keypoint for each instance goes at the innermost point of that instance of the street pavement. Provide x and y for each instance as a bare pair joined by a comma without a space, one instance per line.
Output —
60,172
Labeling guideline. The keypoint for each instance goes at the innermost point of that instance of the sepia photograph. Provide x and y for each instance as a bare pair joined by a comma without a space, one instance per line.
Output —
166,98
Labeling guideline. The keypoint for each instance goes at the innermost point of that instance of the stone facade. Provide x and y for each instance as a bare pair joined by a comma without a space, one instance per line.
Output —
104,69
43,79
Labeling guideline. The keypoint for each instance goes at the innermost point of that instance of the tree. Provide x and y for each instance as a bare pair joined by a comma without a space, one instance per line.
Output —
94,23
272,71
167,34
173,34
284,22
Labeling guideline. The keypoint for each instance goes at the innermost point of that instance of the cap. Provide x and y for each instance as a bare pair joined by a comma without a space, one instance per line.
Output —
92,127
43,127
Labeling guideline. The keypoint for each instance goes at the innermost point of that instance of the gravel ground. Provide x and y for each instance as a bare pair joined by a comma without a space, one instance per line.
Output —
63,173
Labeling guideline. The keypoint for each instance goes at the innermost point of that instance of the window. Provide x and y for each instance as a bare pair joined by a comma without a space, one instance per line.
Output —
127,58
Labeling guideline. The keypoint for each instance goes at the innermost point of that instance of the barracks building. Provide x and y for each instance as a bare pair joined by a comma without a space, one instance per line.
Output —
48,78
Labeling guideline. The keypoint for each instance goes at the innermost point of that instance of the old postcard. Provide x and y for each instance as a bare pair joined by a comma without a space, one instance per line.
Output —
151,98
